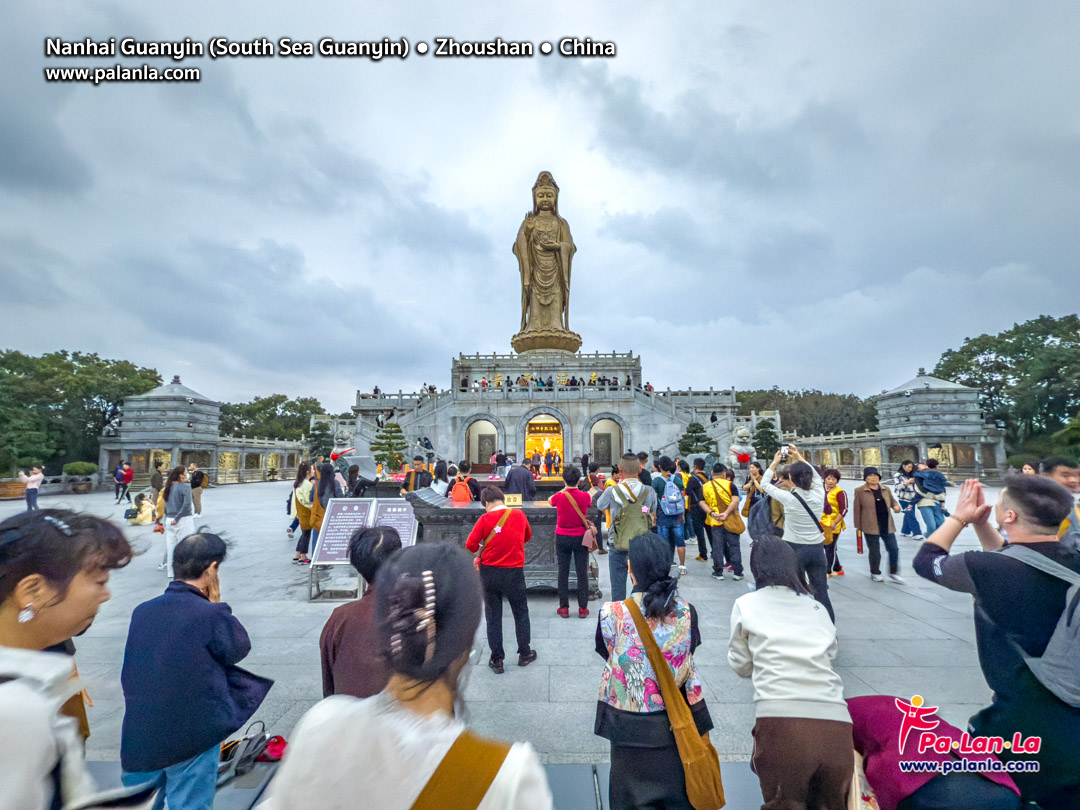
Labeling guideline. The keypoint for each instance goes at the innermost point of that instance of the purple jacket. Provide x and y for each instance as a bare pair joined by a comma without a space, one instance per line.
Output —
875,727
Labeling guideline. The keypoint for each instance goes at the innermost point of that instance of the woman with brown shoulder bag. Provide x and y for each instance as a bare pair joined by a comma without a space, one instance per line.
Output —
651,705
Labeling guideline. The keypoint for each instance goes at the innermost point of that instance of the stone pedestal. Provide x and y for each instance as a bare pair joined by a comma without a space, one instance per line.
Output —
443,521
546,340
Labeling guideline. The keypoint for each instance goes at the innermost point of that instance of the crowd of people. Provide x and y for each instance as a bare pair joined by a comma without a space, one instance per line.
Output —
394,661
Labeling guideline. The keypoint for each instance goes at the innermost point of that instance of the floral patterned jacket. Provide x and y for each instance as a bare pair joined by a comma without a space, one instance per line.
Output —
629,682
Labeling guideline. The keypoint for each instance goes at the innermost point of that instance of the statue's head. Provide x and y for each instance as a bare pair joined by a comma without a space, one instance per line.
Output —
742,435
545,194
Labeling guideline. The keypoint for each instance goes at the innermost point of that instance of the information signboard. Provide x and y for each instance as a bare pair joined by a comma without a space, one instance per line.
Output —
344,516
398,514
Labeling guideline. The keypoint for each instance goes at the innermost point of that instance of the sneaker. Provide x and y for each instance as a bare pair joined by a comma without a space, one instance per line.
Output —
162,566
738,577
564,612
289,533
602,551
899,580
526,659
496,665
729,567
717,574
831,574
682,570
305,561
583,613
902,534
917,537
839,573
699,558
877,577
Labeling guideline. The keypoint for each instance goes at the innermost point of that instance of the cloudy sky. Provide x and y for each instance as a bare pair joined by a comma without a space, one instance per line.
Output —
808,195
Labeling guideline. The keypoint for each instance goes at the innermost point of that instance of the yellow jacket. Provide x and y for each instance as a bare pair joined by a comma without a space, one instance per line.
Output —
717,494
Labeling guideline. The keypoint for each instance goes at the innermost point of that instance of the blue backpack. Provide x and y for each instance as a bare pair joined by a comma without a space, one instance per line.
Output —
673,503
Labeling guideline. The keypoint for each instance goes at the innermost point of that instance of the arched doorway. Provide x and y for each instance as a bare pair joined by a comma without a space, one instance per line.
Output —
606,441
481,441
543,435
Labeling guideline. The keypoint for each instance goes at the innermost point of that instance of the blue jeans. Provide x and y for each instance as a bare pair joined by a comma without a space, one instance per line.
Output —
675,535
932,517
189,785
31,500
618,568
294,524
911,522
314,541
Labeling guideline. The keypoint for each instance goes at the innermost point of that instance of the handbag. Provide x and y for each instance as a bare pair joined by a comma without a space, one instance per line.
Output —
701,765
238,756
131,512
733,522
491,534
589,538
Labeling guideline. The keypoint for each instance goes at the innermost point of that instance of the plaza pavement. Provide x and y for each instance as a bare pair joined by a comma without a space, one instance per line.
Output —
902,640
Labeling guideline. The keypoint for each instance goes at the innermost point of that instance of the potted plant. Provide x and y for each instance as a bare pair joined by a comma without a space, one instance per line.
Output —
81,471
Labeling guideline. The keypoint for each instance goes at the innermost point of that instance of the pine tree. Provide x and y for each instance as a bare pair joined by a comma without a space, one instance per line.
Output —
696,440
766,442
320,441
390,446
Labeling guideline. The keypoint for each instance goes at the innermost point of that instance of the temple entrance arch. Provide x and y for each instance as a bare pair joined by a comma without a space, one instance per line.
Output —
539,424
606,435
481,435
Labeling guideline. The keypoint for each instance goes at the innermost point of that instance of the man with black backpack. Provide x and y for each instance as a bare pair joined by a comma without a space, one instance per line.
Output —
632,504
1026,585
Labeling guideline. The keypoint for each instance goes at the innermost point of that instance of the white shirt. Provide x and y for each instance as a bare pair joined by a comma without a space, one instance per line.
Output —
799,526
787,642
348,753
34,736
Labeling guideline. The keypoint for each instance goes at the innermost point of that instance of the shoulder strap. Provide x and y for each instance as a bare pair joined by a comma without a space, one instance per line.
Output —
465,774
580,514
809,511
1029,556
1072,520
716,489
678,710
622,485
495,530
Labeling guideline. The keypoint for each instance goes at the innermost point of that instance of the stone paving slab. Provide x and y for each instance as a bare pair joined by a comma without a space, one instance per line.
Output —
915,638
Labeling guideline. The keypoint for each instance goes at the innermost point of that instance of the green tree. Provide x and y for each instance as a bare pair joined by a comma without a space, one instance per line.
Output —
1028,376
696,440
56,406
390,446
810,412
272,417
320,440
765,440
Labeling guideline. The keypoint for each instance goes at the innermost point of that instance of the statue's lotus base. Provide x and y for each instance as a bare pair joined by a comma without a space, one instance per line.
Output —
546,340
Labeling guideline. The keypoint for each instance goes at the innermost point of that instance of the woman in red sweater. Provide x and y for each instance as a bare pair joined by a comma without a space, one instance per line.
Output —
569,529
500,536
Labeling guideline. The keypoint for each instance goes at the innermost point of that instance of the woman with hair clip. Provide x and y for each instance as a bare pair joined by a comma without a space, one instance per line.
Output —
54,573
407,748
785,641
326,488
646,770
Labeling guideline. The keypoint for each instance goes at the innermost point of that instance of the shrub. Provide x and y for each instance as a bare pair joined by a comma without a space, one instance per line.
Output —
80,468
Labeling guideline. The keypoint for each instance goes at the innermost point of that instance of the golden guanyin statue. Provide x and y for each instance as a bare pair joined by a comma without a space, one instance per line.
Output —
545,252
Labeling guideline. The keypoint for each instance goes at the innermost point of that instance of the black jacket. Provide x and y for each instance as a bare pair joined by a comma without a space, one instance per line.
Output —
519,481
183,692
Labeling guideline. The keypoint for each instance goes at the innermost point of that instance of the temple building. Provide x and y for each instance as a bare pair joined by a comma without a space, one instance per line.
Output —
926,417
176,425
